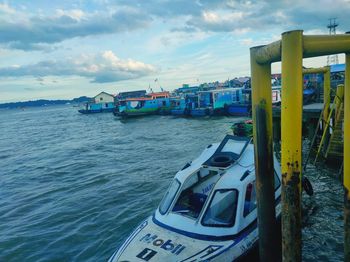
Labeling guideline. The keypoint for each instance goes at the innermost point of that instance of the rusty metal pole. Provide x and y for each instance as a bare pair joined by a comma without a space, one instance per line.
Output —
291,117
263,150
326,92
346,160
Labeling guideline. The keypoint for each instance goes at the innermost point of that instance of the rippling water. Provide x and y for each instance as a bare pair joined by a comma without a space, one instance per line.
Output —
73,186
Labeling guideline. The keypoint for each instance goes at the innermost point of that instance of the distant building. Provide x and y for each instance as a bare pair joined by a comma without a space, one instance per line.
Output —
103,102
186,89
103,97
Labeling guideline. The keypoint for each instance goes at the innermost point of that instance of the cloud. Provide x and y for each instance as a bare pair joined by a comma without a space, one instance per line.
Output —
102,68
30,31
254,16
5,8
36,32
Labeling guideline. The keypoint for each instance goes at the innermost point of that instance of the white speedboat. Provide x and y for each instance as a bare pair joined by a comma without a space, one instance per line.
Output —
209,211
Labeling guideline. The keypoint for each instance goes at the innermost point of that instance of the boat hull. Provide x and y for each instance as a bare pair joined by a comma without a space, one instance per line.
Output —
200,112
180,112
152,241
239,110
136,113
94,111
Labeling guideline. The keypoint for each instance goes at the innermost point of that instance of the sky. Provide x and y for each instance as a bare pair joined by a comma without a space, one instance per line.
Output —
62,49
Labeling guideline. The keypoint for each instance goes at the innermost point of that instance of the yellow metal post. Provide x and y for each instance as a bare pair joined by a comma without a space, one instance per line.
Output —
347,160
326,92
291,117
263,148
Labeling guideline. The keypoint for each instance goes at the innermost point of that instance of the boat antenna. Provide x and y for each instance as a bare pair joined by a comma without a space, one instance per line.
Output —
157,81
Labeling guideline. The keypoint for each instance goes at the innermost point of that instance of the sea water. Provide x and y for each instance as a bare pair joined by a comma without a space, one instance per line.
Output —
73,186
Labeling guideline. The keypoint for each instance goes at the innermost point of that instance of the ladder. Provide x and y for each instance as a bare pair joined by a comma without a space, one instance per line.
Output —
335,110
335,144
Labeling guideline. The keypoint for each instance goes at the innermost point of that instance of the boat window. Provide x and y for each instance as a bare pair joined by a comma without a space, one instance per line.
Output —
234,146
169,197
250,199
277,181
222,209
194,193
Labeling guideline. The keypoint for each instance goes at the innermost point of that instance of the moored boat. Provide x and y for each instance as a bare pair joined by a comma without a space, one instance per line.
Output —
185,105
152,103
243,107
216,102
179,106
208,213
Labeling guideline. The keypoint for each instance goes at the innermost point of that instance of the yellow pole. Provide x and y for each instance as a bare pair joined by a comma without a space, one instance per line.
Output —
291,117
263,150
320,70
318,45
347,160
326,92
340,93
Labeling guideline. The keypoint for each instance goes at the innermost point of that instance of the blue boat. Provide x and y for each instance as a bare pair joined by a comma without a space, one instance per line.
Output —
216,102
103,102
185,105
243,107
153,103
198,112
178,106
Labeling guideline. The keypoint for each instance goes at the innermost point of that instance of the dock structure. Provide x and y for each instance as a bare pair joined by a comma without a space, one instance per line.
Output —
293,47
311,116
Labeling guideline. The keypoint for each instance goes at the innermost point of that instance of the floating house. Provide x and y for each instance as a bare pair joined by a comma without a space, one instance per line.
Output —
186,89
179,106
183,106
244,106
216,101
103,102
152,103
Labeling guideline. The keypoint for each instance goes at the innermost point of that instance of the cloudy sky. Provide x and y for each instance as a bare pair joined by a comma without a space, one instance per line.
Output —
64,49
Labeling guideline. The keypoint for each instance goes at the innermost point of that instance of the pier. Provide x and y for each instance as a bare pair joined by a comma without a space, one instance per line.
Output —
290,50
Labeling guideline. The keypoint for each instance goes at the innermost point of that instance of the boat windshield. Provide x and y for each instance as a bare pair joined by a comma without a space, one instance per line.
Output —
194,192
222,209
169,196
234,146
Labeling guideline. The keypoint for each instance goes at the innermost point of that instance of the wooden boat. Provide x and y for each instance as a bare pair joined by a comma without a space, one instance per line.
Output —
153,103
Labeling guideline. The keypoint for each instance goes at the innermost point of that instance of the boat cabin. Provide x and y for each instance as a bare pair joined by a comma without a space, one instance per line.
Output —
219,98
156,95
143,105
214,196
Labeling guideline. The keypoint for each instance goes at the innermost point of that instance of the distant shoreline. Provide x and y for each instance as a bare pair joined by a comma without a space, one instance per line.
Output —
43,102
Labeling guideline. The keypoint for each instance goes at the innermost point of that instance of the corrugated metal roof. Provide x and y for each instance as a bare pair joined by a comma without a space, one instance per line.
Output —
337,68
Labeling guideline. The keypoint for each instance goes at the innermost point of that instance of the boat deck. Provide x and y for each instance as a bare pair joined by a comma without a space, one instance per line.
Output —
309,111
